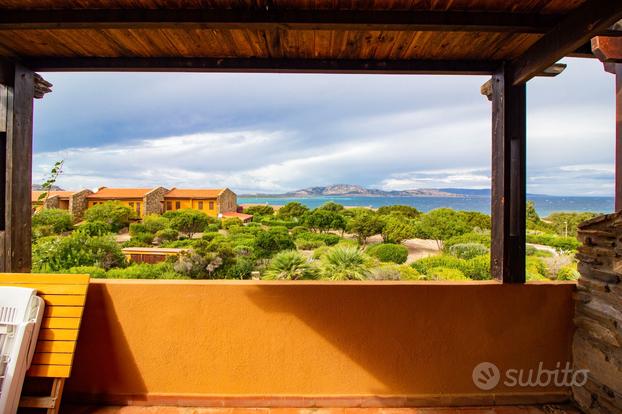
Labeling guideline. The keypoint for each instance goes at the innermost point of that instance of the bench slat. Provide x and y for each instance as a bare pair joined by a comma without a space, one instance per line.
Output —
44,278
56,346
62,323
51,289
52,359
49,371
58,334
64,300
63,312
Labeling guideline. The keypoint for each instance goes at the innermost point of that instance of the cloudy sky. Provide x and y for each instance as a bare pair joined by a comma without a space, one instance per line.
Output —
274,133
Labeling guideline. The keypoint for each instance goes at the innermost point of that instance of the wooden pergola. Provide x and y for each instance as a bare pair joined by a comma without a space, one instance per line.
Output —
511,40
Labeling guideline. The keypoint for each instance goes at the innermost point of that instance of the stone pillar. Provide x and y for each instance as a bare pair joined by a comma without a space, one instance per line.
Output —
78,204
154,201
597,344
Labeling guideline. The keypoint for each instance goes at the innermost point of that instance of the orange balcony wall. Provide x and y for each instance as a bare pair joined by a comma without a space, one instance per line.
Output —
303,344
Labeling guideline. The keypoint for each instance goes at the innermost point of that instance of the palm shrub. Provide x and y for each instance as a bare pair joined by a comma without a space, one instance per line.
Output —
386,252
345,263
290,265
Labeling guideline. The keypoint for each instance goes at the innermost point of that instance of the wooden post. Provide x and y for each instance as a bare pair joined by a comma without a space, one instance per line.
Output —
16,168
508,179
618,161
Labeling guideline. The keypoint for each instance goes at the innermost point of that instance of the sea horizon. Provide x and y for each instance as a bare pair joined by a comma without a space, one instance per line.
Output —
544,204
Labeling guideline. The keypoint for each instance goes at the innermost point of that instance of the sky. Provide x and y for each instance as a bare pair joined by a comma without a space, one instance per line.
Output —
272,133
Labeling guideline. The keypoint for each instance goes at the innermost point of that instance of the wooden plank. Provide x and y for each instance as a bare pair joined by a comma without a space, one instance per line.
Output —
63,312
577,28
56,346
62,323
49,371
272,65
508,179
58,334
64,300
607,49
46,278
273,19
53,289
49,358
17,243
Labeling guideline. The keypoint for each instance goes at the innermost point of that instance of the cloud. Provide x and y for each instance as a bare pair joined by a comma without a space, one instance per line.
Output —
272,133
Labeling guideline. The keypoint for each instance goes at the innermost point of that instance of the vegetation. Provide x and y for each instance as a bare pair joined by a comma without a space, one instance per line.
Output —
330,242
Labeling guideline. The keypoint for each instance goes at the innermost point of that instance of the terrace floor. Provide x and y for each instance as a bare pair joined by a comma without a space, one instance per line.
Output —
547,409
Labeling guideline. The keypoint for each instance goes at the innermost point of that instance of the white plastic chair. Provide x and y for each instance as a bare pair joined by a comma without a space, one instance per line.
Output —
21,312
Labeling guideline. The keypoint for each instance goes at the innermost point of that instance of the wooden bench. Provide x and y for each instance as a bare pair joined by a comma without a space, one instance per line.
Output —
64,296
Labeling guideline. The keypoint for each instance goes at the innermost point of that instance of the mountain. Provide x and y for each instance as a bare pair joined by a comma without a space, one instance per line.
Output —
350,190
39,187
479,192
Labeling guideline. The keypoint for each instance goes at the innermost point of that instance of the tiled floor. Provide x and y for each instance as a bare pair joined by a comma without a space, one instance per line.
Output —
189,410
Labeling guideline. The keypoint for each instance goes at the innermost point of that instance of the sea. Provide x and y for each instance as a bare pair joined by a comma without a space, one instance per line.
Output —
545,205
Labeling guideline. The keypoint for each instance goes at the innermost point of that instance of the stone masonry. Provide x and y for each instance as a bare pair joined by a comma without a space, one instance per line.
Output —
78,204
154,201
597,344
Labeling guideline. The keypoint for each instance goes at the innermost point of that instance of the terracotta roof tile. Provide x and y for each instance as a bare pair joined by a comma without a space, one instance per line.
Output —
61,194
119,193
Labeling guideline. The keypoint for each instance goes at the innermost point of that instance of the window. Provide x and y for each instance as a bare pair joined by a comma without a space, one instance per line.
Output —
132,205
211,205
169,205
200,205
138,208
177,205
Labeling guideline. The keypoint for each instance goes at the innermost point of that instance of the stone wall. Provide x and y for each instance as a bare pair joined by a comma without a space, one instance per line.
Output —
78,204
53,201
227,202
154,201
598,315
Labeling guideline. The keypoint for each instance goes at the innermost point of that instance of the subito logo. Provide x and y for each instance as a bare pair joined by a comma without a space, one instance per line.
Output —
486,376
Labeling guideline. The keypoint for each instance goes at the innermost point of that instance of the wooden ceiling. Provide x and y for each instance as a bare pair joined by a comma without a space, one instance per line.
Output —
475,34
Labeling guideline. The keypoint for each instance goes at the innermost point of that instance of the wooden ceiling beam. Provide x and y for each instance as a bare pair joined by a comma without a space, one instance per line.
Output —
386,20
576,29
166,64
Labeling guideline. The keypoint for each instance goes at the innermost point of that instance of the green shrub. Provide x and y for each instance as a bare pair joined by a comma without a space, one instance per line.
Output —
327,238
319,252
163,270
166,235
566,244
230,222
290,265
447,261
240,270
179,244
153,223
467,238
135,242
42,231
269,243
113,213
532,251
94,271
260,210
391,271
137,228
478,268
243,250
189,221
59,220
211,236
468,250
94,228
273,222
77,249
146,238
443,273
386,252
345,263
568,272
536,269
298,230
404,211
309,244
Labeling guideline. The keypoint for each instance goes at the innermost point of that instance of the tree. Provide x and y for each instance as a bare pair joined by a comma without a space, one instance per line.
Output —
406,211
565,224
531,213
366,224
189,221
290,265
259,210
267,243
113,213
292,211
475,219
320,220
397,229
48,184
441,224
331,206
154,223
